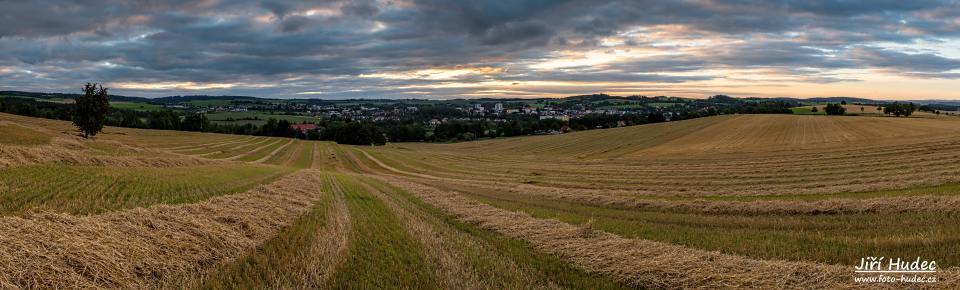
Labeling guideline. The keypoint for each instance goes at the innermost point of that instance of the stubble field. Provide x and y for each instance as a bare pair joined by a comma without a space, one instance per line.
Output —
763,201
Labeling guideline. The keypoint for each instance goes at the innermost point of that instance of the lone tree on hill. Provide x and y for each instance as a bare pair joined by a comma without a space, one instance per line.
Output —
92,108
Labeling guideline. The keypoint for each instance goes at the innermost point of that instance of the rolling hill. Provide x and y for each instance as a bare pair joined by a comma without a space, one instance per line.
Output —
732,134
760,201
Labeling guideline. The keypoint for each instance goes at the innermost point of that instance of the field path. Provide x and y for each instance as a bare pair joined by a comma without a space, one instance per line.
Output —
333,242
303,255
446,262
18,156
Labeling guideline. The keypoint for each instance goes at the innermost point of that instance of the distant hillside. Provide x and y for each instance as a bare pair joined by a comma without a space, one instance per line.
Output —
711,135
183,99
582,98
848,99
953,103
833,100
47,96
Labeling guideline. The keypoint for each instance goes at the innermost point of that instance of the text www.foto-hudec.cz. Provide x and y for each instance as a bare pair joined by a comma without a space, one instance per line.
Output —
895,270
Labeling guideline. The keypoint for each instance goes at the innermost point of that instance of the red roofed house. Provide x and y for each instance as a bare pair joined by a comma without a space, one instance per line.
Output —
304,127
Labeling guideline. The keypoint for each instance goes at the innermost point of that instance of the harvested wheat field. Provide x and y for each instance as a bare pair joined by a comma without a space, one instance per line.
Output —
737,201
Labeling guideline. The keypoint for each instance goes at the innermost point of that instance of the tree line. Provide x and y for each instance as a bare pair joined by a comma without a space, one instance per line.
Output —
346,131
87,114
899,109
91,112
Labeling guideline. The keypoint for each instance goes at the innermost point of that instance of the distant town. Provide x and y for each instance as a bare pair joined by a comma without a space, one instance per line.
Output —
377,121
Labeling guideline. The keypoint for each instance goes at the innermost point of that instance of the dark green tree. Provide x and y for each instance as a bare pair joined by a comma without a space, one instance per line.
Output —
269,127
195,122
355,133
283,129
899,109
91,109
163,120
834,109
656,118
128,118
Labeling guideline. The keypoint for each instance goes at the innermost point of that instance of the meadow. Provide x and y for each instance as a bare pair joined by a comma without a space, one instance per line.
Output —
136,106
737,201
240,118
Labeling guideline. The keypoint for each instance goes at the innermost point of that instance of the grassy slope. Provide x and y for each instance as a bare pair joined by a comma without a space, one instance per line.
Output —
381,239
136,106
88,189
266,151
737,157
247,148
95,189
874,148
221,117
836,239
807,111
535,268
18,135
705,137
281,261
380,242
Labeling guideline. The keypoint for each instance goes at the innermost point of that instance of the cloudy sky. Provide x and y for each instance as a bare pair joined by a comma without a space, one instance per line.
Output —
889,49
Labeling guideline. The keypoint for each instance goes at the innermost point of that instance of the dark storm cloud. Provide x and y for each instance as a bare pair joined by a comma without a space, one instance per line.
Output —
284,47
918,64
775,54
852,8
606,76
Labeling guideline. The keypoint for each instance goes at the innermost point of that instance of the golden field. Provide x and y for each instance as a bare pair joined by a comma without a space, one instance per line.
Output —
759,201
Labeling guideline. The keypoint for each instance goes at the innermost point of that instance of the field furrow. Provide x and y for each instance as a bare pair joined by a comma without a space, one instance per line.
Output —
643,262
731,201
303,255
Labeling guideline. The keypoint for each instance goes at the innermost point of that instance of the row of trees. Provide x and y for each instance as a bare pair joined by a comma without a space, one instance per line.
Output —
34,108
523,125
351,132
471,130
899,109
88,113
340,130
91,112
